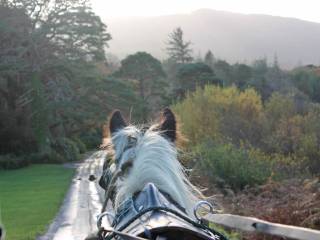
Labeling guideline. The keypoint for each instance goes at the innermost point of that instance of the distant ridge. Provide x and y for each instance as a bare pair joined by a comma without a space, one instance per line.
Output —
231,36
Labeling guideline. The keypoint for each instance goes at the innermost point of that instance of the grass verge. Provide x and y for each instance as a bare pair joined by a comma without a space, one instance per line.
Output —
30,198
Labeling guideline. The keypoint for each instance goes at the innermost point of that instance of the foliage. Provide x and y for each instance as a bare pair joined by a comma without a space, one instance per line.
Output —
293,129
282,133
40,115
68,148
236,167
242,74
222,114
267,80
14,136
145,73
50,54
307,81
223,70
193,75
209,59
292,202
10,161
178,49
30,198
130,67
70,25
229,234
91,138
81,146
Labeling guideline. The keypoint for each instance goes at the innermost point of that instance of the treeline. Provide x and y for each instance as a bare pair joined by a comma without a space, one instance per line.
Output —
57,86
248,124
54,93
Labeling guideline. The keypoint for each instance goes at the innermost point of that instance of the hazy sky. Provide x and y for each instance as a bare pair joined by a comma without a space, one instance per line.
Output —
303,9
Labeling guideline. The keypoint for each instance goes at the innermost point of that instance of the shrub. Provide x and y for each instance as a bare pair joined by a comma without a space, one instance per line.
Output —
66,148
55,157
81,146
222,114
286,129
10,161
46,157
92,138
237,167
62,150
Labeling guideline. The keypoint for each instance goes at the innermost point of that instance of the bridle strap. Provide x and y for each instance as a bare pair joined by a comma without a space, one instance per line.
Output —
111,188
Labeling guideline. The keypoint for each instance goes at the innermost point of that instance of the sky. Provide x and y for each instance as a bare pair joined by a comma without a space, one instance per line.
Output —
302,9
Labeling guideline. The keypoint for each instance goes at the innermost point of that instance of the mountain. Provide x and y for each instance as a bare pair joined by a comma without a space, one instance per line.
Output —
230,36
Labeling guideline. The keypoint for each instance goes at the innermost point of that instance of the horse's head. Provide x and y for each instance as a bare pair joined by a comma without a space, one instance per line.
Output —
127,139
148,155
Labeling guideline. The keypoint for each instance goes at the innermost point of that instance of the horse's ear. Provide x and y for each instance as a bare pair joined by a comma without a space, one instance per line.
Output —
168,124
116,122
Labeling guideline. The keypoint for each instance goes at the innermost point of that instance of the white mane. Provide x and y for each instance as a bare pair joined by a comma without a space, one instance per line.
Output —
154,159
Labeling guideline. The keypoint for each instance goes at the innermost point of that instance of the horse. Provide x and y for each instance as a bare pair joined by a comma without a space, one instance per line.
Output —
147,185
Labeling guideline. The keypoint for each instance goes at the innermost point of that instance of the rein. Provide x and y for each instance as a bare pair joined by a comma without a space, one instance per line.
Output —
110,189
111,186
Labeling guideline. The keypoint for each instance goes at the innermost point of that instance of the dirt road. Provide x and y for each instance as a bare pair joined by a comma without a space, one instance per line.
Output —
77,216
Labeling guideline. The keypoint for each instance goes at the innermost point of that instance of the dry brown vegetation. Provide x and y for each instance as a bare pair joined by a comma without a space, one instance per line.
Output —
292,202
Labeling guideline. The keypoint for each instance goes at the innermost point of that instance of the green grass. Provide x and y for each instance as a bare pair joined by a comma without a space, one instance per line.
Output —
30,198
230,235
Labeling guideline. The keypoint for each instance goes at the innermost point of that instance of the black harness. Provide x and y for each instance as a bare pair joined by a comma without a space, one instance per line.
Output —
149,214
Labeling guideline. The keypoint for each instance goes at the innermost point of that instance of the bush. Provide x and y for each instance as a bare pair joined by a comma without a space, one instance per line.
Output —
66,148
62,150
10,161
92,139
81,146
46,157
285,129
236,167
222,114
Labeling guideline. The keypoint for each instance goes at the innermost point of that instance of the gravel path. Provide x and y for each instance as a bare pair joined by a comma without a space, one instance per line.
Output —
77,215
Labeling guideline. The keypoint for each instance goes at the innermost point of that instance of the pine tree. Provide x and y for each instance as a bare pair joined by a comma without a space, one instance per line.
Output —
146,73
178,49
209,59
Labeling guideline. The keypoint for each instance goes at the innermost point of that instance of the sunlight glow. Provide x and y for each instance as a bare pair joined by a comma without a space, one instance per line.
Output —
306,9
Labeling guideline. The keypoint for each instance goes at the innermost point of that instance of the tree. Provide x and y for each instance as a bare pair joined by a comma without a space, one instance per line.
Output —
307,81
258,80
48,51
66,27
223,70
14,63
194,75
178,49
146,74
209,59
242,74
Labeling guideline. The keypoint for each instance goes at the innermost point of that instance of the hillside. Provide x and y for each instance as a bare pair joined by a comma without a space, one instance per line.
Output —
231,36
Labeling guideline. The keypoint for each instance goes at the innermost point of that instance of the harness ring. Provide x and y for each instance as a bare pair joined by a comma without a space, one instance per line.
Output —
198,205
100,216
